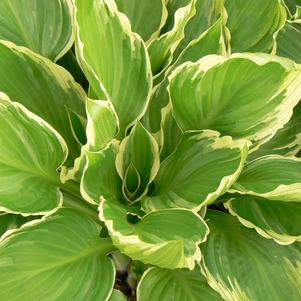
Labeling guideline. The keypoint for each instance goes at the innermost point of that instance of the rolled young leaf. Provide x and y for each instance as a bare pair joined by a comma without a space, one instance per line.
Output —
173,285
114,59
254,23
243,266
272,219
253,96
60,257
43,87
30,154
203,167
272,177
139,152
41,25
146,17
167,238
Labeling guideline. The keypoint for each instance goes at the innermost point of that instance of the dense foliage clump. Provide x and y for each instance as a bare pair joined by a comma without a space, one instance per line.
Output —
149,150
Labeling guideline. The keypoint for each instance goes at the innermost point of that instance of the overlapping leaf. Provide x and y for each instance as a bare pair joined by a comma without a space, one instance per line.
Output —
203,167
288,42
41,25
43,87
272,177
253,96
272,219
100,178
287,140
254,23
167,238
146,17
241,265
31,152
166,285
60,257
114,59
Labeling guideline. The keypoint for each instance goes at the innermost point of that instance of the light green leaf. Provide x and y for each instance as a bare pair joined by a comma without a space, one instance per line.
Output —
174,285
146,17
203,167
253,96
161,49
31,152
288,41
210,42
287,140
100,178
117,296
272,177
253,24
207,13
243,266
167,238
138,157
11,221
102,124
114,59
41,25
271,219
42,87
60,257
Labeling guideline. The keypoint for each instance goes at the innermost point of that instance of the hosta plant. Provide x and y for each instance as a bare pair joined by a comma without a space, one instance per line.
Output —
149,150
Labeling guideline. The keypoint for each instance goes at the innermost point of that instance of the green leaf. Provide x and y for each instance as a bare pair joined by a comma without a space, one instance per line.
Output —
209,42
114,59
288,41
271,219
117,296
172,6
146,17
287,140
102,125
139,152
10,222
161,49
207,13
31,152
253,96
173,285
60,257
203,167
41,25
100,178
78,126
253,24
243,266
291,5
167,238
272,177
42,87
